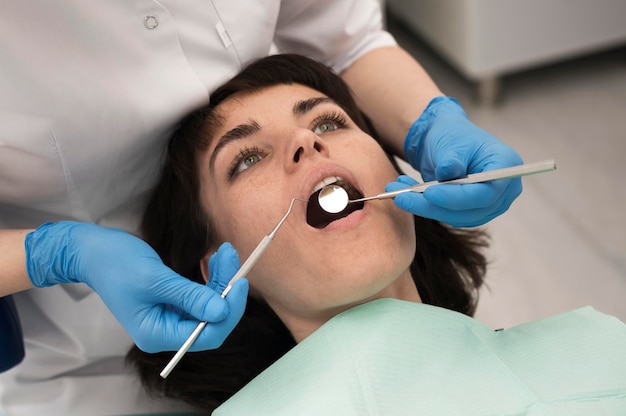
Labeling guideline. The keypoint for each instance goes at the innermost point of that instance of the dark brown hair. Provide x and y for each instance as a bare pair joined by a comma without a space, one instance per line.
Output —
448,267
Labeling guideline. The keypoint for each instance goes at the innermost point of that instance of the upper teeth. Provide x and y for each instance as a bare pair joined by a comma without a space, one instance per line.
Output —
327,181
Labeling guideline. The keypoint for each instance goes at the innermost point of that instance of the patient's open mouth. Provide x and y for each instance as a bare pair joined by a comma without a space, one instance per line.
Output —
318,217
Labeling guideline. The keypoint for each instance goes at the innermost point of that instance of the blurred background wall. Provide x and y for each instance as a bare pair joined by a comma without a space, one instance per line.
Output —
486,39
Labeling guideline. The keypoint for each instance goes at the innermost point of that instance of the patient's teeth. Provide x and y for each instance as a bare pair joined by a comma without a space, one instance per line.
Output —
325,182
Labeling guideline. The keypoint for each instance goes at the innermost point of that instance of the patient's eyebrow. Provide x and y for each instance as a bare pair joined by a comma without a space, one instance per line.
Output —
239,132
302,107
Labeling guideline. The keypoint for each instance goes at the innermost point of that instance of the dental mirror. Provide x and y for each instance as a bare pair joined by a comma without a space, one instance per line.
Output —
333,199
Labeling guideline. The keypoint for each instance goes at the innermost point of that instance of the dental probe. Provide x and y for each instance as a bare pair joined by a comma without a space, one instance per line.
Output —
491,175
243,270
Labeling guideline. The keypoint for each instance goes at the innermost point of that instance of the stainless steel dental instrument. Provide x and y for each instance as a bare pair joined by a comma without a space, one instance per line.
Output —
243,271
334,199
491,175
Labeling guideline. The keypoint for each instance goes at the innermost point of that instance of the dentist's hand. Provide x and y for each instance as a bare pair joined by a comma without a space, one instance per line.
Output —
443,144
154,304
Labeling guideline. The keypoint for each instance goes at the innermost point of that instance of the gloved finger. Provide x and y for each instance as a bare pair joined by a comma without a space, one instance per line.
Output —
199,301
416,204
222,267
176,327
413,202
174,331
463,197
449,197
402,182
173,326
474,196
214,334
450,167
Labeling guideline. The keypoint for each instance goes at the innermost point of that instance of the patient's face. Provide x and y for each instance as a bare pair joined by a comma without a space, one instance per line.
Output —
278,144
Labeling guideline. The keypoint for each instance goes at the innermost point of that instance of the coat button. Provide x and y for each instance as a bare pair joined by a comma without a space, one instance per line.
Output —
151,21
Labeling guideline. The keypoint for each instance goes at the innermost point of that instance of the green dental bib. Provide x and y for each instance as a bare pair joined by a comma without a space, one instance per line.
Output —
390,358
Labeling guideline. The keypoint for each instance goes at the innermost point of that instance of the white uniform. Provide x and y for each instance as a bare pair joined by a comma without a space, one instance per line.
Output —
89,92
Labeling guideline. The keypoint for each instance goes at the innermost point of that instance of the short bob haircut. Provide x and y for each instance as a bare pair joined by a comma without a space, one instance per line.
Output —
448,267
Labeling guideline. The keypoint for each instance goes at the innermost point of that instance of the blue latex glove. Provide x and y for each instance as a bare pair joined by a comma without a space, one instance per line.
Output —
443,144
154,304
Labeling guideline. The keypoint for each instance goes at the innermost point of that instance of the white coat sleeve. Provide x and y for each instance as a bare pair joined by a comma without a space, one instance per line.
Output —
334,32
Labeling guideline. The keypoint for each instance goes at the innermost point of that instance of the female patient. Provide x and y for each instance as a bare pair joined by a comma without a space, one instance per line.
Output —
280,130
277,131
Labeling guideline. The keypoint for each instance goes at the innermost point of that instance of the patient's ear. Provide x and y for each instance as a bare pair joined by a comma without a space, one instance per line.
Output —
204,266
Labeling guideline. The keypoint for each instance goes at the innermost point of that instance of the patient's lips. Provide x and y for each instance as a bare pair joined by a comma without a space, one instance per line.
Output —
317,217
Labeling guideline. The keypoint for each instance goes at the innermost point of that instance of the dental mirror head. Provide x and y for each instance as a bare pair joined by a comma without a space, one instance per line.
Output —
333,199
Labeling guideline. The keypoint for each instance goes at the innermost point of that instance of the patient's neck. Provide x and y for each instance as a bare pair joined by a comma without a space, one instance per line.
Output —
403,289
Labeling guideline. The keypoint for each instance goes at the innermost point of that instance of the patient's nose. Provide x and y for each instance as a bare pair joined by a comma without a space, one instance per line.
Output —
300,151
305,144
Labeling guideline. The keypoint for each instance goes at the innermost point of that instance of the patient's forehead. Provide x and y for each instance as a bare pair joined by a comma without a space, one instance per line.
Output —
284,92
240,107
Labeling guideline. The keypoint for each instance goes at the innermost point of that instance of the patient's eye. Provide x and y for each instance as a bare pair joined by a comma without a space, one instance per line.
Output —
246,158
325,127
328,122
